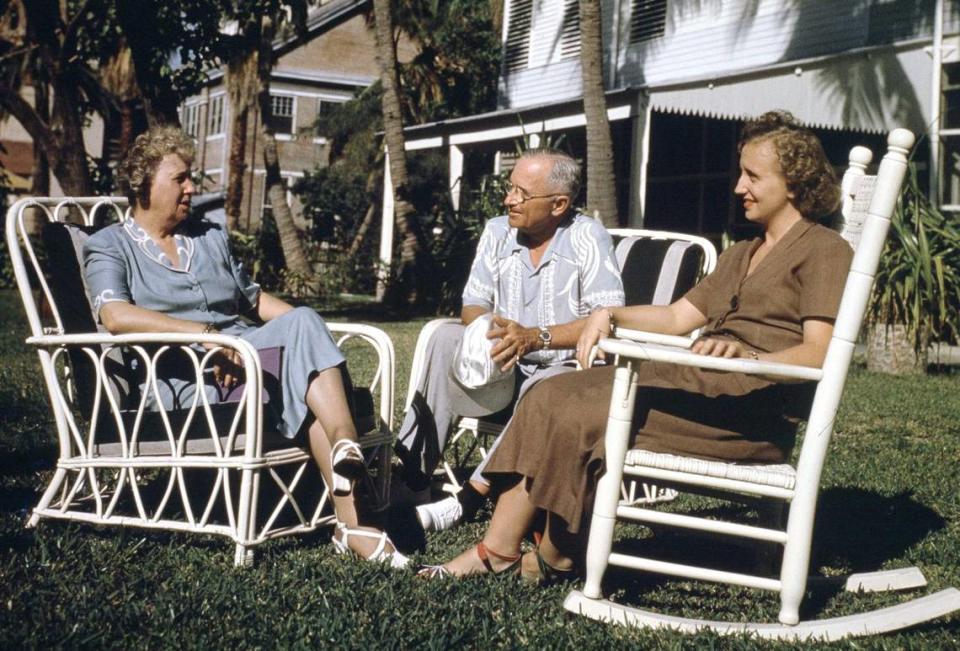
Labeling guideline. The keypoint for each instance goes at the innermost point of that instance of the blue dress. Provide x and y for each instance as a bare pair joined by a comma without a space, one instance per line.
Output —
122,263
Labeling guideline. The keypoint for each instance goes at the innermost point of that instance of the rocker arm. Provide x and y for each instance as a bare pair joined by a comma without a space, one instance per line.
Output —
674,355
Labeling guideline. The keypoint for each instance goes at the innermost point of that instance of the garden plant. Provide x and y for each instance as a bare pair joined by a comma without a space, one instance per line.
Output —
916,294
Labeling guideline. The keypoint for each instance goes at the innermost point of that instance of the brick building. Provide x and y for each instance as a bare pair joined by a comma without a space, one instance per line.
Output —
334,61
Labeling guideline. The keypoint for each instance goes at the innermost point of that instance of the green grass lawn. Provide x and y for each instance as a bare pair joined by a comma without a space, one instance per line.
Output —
891,498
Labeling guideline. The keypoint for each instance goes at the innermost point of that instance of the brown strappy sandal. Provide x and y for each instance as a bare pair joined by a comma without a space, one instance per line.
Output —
437,571
547,574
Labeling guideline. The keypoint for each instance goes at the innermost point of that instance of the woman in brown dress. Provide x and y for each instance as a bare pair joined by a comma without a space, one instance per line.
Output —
772,298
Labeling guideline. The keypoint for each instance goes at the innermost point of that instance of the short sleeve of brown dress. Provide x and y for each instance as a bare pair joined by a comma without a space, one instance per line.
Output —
555,438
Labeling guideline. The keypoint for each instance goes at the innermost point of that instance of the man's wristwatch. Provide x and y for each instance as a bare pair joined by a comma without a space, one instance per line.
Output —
545,338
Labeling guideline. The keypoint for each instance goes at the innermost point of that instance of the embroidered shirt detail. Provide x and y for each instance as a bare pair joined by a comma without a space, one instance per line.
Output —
106,296
578,274
184,245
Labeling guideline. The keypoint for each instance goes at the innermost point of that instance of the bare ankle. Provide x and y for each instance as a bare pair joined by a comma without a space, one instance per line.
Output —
481,489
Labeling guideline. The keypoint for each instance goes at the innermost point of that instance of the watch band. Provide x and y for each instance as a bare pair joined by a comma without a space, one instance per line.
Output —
545,338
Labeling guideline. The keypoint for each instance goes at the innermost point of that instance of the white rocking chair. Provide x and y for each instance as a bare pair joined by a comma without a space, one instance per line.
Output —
796,488
207,468
657,268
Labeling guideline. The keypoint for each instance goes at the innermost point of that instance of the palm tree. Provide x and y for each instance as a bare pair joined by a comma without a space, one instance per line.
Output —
117,76
601,181
242,86
291,240
413,252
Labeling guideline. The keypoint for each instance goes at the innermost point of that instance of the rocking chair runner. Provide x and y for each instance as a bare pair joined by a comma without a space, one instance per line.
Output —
798,488
209,467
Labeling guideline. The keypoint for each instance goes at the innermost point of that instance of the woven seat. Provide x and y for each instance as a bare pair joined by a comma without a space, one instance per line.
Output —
778,475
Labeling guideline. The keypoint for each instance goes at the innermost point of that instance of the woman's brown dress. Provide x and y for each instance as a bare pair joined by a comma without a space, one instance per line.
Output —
555,438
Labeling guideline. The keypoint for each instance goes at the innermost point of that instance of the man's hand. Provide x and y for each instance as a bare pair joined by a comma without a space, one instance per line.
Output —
515,342
718,347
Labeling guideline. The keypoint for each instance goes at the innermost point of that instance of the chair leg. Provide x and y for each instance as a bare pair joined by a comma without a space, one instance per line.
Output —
598,552
604,516
245,516
243,556
55,484
796,555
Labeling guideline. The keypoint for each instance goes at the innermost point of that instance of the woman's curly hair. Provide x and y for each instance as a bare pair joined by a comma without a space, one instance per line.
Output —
144,156
809,174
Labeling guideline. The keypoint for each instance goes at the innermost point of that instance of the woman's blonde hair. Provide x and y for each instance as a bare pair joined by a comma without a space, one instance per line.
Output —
143,158
803,162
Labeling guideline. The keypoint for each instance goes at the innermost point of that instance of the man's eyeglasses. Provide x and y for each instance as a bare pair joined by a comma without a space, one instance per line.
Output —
517,191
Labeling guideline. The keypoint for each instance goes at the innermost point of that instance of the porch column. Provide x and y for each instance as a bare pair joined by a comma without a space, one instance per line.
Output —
640,154
456,175
386,229
937,72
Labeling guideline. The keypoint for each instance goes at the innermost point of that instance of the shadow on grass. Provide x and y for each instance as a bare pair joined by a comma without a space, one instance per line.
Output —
856,531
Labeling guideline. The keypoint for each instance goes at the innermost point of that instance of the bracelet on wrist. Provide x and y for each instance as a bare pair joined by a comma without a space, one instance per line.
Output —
754,355
207,329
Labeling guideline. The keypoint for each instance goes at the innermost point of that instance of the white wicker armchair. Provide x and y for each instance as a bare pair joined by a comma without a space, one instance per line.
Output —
207,468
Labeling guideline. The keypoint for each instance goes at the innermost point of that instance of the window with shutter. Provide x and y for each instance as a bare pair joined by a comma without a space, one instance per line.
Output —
215,125
190,119
282,119
950,137
516,50
570,30
648,20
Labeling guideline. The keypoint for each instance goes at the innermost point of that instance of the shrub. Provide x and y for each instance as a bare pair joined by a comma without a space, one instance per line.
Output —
918,280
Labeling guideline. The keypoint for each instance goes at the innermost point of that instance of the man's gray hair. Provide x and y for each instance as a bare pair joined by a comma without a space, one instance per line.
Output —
564,173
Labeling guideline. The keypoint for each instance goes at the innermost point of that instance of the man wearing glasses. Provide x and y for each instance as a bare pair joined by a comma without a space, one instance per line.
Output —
540,270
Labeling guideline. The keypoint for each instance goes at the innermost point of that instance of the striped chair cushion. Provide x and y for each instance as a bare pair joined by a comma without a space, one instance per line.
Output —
657,272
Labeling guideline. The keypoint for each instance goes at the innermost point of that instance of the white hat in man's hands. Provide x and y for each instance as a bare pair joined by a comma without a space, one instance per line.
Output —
478,387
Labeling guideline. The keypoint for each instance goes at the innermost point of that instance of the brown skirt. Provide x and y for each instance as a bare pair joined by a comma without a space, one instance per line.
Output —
555,438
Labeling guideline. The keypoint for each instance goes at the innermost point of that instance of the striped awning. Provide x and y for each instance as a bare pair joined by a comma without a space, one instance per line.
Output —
874,91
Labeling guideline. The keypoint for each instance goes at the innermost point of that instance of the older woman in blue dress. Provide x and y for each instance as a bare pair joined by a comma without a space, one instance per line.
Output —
163,272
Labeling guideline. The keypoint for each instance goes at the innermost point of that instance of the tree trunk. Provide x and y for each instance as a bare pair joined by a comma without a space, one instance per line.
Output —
413,253
890,350
238,166
601,180
290,237
55,122
70,165
126,126
361,233
160,101
242,81
496,16
40,181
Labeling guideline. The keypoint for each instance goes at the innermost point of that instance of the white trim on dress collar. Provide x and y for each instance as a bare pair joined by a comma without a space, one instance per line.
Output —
185,246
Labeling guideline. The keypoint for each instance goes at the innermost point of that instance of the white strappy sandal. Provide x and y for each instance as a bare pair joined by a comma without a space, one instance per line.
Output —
346,461
395,559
